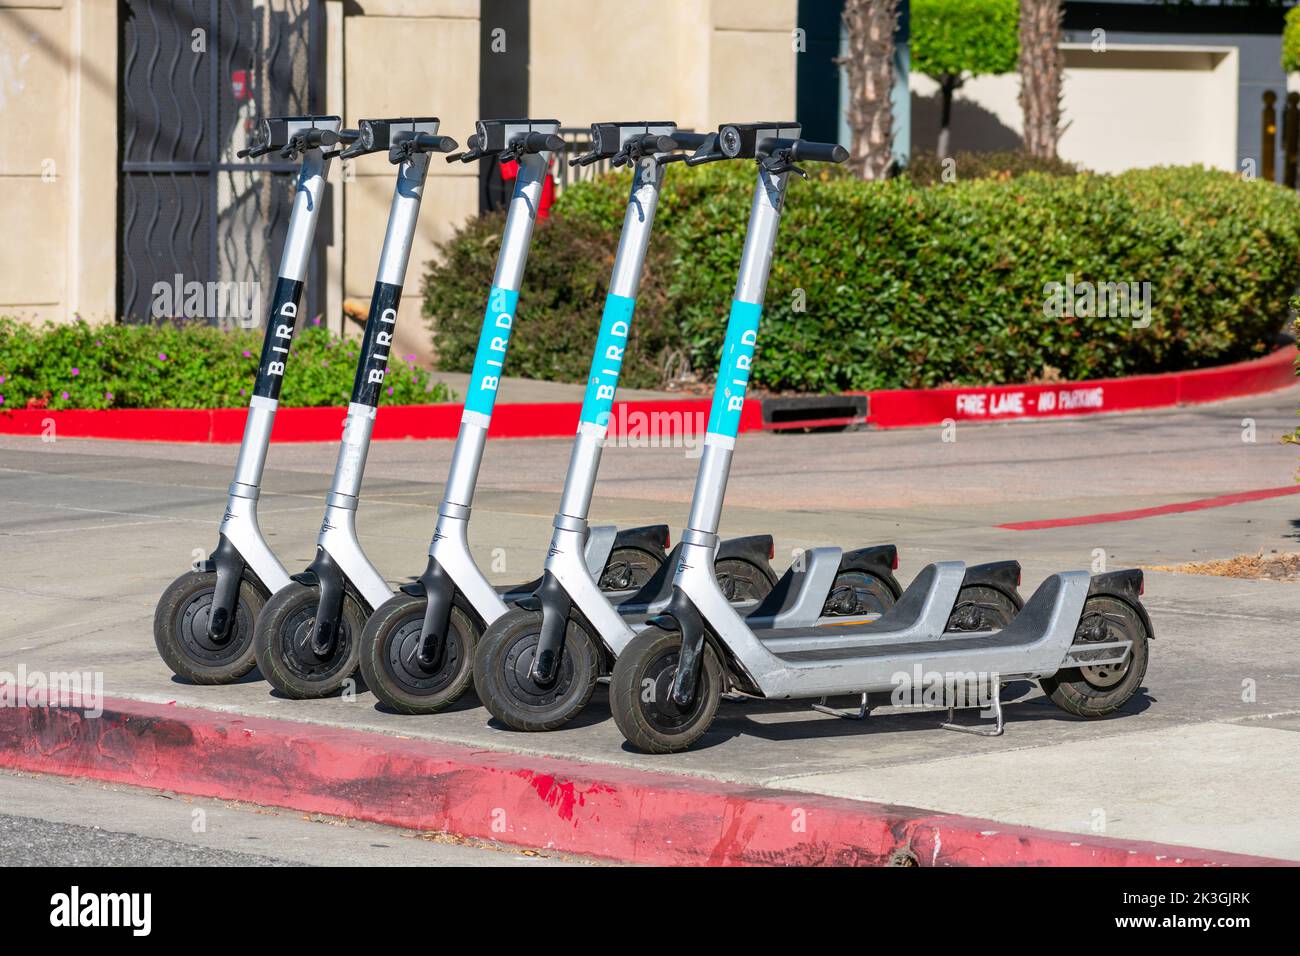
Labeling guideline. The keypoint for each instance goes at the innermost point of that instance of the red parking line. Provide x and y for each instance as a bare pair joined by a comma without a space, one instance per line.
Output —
1200,504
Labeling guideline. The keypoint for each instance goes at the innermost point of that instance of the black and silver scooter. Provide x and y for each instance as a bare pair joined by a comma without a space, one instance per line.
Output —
203,625
1083,637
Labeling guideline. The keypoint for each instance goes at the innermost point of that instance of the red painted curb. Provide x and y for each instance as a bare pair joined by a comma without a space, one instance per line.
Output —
541,802
890,408
911,407
1199,504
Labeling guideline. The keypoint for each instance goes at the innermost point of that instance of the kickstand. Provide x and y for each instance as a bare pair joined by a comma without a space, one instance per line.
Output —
859,714
994,731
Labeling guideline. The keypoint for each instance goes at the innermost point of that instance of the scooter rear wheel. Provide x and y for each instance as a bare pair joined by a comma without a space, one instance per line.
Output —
180,630
282,641
857,592
627,569
502,677
1103,689
390,660
981,608
741,580
640,694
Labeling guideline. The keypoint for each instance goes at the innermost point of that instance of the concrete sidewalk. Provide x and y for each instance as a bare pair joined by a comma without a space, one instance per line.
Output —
90,532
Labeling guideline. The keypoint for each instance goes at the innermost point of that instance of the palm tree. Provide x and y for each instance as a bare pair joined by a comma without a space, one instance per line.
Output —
1041,70
870,26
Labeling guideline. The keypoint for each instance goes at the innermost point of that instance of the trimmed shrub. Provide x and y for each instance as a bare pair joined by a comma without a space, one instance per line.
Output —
926,168
883,285
563,295
181,366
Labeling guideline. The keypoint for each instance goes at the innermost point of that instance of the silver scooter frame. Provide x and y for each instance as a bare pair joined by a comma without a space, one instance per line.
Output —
338,550
451,566
242,544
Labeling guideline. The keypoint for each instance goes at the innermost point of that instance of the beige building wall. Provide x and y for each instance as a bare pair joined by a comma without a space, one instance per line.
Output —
697,62
58,100
405,57
1186,96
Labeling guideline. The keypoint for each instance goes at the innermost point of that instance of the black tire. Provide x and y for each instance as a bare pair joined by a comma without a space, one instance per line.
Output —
502,662
180,630
742,580
390,664
628,568
981,608
281,643
640,694
855,592
1100,691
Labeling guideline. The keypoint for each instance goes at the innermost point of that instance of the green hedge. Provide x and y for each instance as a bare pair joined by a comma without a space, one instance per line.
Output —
903,285
180,366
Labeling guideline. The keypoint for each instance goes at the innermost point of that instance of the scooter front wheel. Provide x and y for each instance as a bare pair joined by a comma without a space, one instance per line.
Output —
391,663
640,694
180,630
503,672
283,637
1102,689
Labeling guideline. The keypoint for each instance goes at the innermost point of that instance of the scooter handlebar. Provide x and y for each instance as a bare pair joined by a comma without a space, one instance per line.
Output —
804,150
538,143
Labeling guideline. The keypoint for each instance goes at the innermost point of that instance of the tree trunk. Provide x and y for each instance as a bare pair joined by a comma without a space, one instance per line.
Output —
1041,69
870,25
948,84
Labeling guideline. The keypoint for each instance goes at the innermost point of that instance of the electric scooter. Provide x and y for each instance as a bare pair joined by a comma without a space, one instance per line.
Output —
1084,638
204,622
417,648
536,666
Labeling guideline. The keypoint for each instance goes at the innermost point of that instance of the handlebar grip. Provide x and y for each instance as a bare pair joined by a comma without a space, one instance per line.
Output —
541,142
651,143
689,140
320,137
806,151
429,143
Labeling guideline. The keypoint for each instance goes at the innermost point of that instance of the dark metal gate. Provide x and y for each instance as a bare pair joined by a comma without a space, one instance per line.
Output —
194,76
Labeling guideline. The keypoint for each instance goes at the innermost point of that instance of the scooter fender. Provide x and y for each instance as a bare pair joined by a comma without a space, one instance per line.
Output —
1126,586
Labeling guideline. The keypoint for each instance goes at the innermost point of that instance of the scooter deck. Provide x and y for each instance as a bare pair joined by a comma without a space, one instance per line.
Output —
1037,643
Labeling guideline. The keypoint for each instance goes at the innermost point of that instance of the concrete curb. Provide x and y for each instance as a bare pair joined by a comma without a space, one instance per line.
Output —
539,802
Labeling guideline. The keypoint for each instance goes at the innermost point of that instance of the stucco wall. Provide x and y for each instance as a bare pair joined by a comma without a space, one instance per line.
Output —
58,76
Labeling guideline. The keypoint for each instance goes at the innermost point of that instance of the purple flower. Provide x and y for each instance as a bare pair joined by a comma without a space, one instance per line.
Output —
108,396
64,394
76,371
325,362
411,357
2,399
162,356
247,354
98,343
242,392
390,390
316,320
2,379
